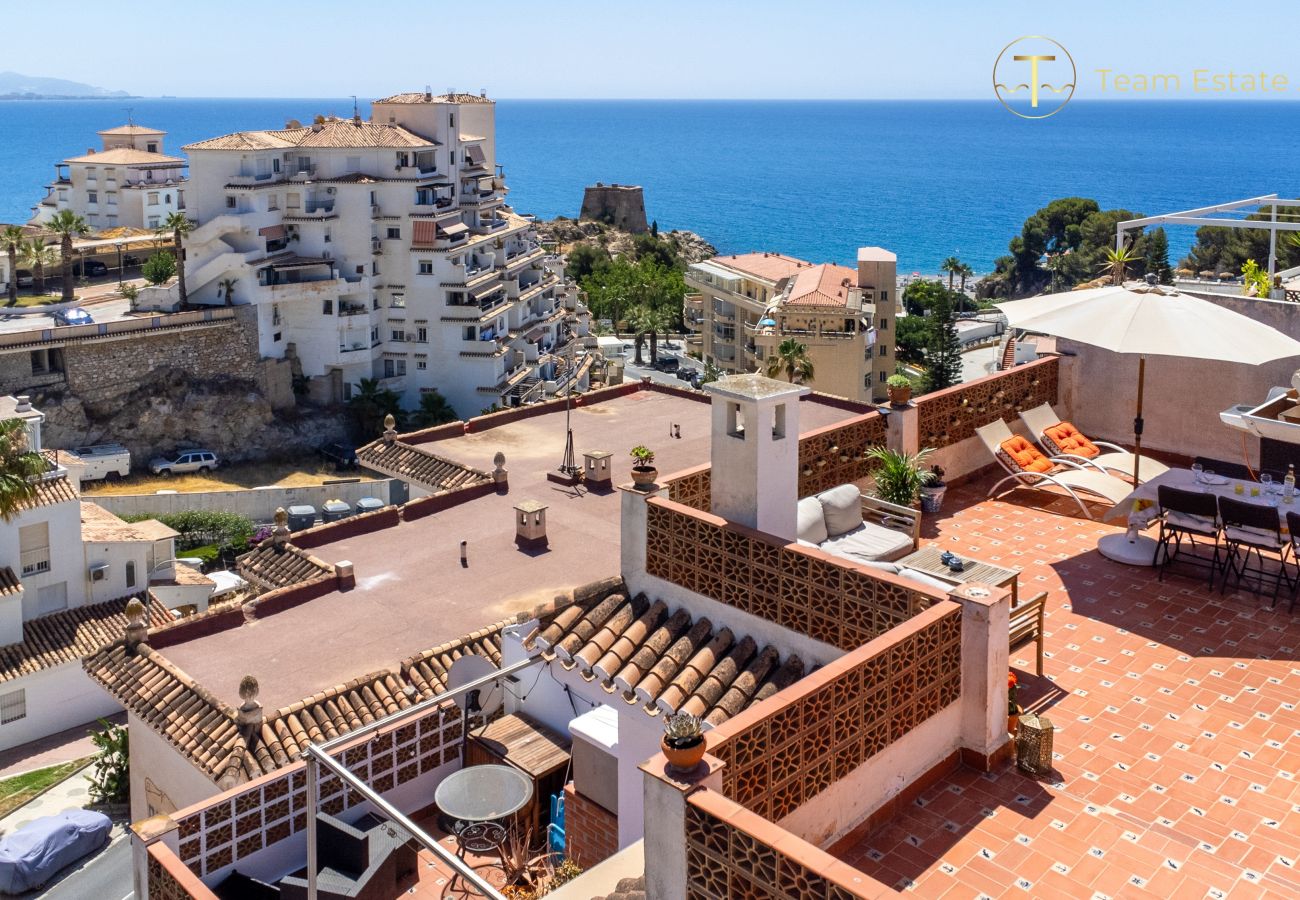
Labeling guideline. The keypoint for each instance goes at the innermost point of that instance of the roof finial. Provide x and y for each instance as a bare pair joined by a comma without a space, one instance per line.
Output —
137,631
249,715
390,428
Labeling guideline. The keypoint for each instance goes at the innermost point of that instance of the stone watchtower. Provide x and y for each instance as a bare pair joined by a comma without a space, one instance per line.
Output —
620,205
755,478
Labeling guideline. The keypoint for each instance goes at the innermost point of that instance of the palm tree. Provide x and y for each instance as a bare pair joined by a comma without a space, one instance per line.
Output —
951,265
434,410
177,225
38,256
12,239
19,467
1117,261
963,273
659,319
67,225
792,359
226,288
641,320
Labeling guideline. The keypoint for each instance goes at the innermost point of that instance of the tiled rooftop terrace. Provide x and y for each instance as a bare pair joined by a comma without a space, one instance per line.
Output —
1177,746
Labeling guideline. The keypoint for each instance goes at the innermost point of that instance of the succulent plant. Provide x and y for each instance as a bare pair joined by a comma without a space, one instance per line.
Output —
683,729
642,454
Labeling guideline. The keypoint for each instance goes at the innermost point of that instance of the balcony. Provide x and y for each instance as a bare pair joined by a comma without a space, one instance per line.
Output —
353,309
250,180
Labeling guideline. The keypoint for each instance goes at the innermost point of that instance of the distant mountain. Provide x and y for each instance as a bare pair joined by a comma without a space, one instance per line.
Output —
14,85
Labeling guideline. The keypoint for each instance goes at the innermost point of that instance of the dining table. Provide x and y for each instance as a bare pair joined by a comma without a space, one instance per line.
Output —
1137,549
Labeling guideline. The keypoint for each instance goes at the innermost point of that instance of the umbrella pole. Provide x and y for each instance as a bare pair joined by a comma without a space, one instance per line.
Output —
1137,420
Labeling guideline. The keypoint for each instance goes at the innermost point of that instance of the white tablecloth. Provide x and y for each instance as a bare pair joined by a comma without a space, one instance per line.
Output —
1186,479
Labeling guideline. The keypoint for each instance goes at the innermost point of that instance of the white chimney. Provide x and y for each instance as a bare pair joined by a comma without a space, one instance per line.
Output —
755,478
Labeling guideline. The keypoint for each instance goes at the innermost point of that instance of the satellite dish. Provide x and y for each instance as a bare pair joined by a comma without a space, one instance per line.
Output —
467,670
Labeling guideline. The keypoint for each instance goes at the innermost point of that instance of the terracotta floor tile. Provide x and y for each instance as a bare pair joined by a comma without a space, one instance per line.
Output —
1178,718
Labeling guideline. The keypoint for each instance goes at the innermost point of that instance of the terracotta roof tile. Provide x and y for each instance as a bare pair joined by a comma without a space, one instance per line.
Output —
332,133
50,491
419,465
422,97
822,285
9,582
64,636
664,663
126,156
100,526
204,729
269,567
768,266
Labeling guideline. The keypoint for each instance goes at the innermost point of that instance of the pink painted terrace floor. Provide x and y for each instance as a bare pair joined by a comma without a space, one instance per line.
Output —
1177,746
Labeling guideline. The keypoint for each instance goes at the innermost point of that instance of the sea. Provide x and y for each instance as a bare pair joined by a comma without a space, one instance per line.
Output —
814,179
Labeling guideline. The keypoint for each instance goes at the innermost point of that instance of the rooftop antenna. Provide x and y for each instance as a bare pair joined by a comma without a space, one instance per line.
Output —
356,113
128,111
568,466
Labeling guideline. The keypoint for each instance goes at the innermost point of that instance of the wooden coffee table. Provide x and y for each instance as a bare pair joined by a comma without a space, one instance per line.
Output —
928,560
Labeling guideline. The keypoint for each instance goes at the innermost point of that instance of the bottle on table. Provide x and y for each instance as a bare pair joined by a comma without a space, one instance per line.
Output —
1288,483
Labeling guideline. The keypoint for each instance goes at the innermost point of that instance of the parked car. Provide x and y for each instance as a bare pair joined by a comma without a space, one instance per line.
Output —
74,316
341,455
39,849
25,278
668,363
685,373
109,461
89,267
184,461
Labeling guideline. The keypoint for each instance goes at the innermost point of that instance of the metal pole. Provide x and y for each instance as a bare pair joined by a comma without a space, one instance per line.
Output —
1137,420
394,814
313,798
1272,250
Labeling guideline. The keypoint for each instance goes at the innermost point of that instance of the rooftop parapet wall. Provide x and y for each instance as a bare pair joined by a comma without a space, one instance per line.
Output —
798,588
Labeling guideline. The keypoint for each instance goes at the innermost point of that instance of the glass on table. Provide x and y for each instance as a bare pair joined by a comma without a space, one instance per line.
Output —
1207,476
1197,471
1266,480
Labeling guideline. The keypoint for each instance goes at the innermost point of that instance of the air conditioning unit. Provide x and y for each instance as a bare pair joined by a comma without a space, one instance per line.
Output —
329,190
99,572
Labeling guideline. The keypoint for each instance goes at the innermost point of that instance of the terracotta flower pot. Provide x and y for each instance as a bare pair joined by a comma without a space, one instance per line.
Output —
644,476
683,759
899,396
1013,721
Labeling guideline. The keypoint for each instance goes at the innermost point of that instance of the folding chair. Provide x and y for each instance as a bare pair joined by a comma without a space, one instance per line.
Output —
1250,529
1186,515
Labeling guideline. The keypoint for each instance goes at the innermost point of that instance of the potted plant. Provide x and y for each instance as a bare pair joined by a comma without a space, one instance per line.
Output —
900,390
933,490
643,471
1013,708
683,741
899,476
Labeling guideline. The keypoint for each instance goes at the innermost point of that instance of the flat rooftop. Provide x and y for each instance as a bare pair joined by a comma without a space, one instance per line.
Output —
412,592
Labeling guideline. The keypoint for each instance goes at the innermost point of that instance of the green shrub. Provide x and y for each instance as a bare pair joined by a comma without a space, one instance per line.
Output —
159,268
110,776
199,528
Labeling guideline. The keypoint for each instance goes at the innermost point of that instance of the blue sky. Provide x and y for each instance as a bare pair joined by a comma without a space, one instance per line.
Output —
666,48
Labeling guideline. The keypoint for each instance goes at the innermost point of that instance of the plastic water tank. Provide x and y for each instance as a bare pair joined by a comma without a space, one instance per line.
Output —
333,510
369,504
301,517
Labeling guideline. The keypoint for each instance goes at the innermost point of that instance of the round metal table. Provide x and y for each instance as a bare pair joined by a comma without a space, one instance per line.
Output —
483,793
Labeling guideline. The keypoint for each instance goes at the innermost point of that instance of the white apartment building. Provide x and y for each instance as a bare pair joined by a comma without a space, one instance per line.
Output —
67,567
129,182
383,249
742,307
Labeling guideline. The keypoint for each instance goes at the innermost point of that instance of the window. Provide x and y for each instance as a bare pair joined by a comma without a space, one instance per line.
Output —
884,350
398,302
152,146
276,337
111,198
469,333
167,199
304,164
394,368
884,296
422,335
272,202
92,197
426,267
399,335
154,222
884,323
361,270
374,335
152,198
394,234
34,548
451,119
778,423
421,364
275,165
275,314
52,598
130,573
327,306
13,706
232,202
403,160
866,381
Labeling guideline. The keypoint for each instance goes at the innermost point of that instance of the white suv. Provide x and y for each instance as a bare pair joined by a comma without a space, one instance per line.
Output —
185,461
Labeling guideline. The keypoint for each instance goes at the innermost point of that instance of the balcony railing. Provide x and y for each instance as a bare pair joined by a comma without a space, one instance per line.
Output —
35,561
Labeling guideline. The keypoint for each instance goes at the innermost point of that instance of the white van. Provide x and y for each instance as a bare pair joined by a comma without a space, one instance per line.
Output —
100,461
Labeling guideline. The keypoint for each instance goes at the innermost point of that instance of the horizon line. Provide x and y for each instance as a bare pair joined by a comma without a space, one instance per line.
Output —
981,99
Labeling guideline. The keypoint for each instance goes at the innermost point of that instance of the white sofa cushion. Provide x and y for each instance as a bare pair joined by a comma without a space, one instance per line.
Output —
811,523
870,542
923,578
842,507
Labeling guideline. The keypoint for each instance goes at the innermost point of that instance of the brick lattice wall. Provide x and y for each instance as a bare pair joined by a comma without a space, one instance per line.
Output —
804,590
590,830
836,454
839,717
950,416
239,824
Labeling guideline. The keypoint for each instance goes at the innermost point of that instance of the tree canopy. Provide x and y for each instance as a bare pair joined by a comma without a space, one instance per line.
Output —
1219,249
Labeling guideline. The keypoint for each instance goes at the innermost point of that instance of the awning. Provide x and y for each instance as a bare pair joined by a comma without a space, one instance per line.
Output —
423,232
534,335
272,232
474,153
450,228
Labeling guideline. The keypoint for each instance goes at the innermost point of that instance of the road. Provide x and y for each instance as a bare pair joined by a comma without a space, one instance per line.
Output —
632,372
106,876
100,300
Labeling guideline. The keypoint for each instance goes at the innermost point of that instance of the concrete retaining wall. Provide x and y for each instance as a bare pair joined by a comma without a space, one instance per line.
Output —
258,505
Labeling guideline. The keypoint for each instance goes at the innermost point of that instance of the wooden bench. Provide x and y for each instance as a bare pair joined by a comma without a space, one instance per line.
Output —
1027,624
890,515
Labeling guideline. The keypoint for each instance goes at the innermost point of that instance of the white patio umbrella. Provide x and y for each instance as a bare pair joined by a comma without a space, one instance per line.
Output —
1150,320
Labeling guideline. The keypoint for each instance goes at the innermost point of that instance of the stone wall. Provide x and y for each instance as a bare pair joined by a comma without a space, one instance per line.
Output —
620,205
